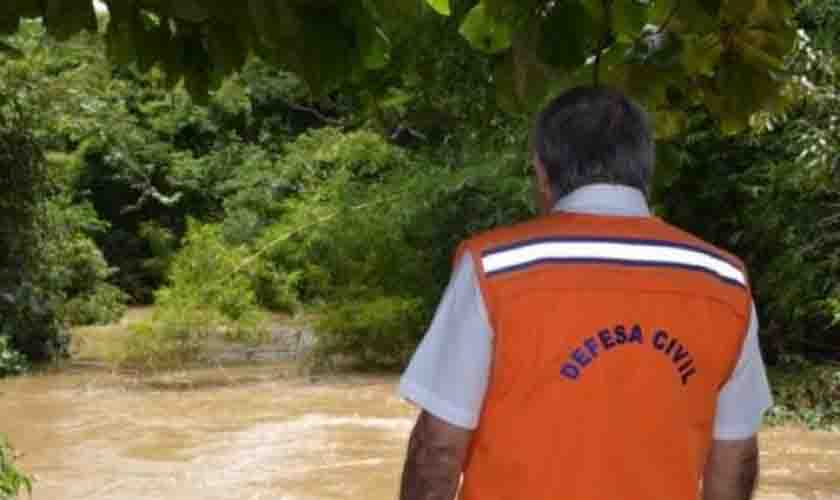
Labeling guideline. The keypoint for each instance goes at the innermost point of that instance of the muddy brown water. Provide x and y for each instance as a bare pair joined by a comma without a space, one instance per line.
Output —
263,432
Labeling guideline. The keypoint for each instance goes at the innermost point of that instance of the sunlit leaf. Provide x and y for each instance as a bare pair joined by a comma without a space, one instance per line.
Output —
669,123
440,6
485,32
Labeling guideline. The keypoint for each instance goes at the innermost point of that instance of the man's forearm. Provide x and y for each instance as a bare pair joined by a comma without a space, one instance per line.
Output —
731,474
434,461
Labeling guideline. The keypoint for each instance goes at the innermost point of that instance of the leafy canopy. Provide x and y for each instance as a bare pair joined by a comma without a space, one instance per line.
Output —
724,55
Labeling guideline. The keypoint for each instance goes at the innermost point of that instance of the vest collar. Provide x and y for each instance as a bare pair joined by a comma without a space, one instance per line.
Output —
605,199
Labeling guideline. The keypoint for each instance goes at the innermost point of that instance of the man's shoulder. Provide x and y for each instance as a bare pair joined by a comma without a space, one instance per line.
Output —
505,235
692,239
557,225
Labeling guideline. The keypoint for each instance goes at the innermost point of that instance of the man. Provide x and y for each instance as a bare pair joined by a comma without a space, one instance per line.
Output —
594,353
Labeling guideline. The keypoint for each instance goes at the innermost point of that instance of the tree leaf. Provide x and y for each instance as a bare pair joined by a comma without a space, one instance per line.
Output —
506,9
10,51
568,35
738,10
399,9
701,54
440,6
325,51
691,16
669,123
740,90
486,33
375,47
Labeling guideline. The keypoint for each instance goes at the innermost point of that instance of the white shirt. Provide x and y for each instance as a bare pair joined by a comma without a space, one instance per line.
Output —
449,372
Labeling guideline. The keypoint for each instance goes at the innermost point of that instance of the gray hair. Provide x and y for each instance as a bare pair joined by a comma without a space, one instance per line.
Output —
594,134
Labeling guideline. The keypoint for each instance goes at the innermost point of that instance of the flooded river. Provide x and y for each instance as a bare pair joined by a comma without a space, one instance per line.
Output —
262,432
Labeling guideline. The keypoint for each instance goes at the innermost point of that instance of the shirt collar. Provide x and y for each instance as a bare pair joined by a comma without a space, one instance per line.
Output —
605,199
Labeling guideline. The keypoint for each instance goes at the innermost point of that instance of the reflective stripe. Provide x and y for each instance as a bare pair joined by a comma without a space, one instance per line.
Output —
626,252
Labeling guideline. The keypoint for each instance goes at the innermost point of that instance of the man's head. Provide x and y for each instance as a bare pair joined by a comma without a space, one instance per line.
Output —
591,135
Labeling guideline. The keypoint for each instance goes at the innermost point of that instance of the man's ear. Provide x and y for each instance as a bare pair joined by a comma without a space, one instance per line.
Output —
545,195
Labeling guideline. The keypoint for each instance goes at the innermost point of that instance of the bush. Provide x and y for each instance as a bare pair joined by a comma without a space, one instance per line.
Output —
369,246
105,304
11,361
75,269
379,333
806,393
12,480
207,296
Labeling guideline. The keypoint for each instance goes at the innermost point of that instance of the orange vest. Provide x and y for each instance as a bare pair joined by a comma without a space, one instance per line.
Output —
612,339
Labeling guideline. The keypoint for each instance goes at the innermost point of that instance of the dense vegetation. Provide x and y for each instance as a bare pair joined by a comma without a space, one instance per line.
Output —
13,482
347,205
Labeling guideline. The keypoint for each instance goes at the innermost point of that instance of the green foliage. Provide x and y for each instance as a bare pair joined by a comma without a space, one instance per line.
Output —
13,481
367,239
670,55
335,44
27,307
771,196
11,361
206,298
159,159
74,268
204,275
379,333
805,393
105,304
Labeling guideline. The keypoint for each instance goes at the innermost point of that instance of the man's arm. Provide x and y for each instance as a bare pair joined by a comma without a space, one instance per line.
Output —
436,454
731,470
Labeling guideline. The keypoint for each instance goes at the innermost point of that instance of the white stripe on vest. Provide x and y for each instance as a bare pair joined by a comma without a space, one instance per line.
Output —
627,252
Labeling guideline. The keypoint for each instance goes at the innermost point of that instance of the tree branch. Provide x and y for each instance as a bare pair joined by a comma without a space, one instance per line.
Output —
670,17
312,111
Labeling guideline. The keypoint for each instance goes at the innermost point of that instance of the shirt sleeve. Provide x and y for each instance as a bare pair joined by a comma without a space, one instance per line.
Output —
449,372
746,396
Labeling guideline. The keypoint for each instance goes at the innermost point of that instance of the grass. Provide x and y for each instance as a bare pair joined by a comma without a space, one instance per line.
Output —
108,343
139,340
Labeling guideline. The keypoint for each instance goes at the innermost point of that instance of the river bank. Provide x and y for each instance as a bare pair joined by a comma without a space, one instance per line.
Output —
261,431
